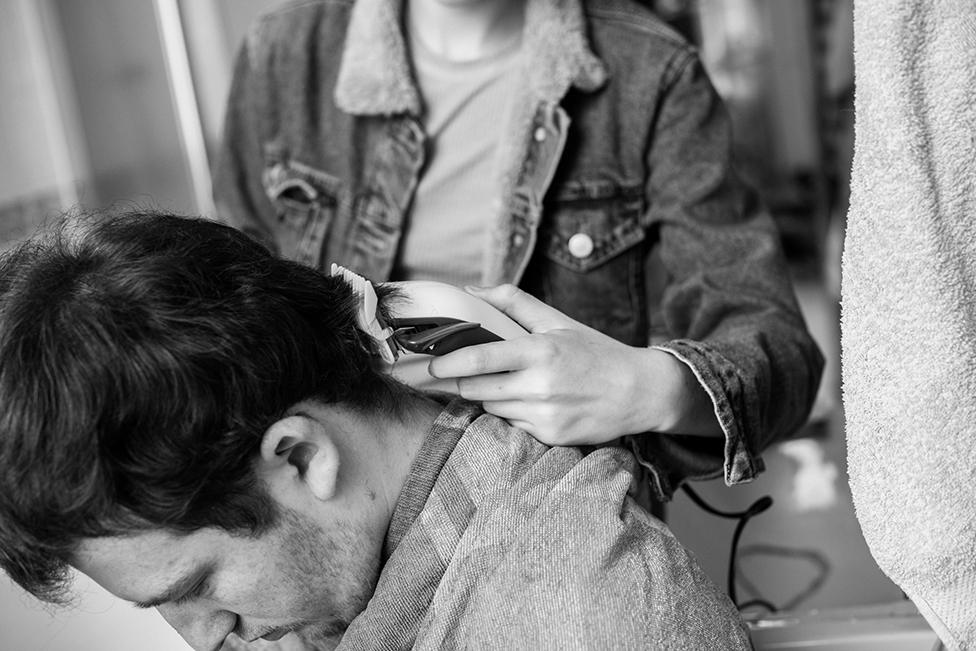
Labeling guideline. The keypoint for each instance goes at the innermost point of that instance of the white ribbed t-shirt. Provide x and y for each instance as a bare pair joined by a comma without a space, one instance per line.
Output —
466,106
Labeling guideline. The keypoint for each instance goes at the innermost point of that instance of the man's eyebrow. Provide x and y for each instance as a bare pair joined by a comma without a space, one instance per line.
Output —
181,587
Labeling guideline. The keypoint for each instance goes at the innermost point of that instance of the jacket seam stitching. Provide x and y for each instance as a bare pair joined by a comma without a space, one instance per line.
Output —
676,67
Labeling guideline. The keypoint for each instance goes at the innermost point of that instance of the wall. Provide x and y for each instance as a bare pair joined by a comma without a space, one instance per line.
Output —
35,170
126,108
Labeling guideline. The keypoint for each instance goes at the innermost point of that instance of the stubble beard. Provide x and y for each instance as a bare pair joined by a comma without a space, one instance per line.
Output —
335,570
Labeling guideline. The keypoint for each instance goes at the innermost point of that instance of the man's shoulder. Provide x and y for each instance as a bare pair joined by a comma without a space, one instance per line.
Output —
587,566
298,22
629,29
544,547
486,436
562,492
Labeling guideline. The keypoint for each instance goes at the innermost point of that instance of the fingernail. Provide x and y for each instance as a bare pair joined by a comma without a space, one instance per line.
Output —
474,289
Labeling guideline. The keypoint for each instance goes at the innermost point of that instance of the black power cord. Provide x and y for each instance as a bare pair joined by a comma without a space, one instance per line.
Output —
755,508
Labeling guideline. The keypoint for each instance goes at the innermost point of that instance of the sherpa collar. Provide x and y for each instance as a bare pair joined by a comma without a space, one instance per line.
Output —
375,77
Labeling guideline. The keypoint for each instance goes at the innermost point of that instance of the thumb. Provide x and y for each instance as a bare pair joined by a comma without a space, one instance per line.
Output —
531,313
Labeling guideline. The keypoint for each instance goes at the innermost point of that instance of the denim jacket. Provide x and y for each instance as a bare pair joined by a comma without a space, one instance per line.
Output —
618,202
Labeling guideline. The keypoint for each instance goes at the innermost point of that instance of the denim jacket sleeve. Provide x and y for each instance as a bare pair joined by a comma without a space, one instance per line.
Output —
729,303
238,189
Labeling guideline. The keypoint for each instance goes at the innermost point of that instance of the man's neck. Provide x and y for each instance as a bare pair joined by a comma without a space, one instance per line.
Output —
402,442
465,30
445,435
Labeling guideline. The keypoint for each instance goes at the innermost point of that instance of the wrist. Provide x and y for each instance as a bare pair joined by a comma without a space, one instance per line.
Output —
677,402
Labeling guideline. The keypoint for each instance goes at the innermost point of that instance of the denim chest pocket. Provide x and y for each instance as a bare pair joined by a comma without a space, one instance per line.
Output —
593,244
305,202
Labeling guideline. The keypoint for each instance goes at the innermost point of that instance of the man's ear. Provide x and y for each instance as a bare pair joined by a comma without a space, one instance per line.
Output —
301,446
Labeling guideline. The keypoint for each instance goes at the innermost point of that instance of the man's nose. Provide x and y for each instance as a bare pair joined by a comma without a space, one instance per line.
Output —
203,629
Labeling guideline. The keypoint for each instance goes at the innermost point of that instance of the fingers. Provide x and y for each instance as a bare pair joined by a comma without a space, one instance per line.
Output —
491,388
511,410
528,418
483,359
517,413
531,313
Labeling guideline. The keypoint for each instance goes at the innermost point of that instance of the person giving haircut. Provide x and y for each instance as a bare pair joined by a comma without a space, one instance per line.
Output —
199,427
574,149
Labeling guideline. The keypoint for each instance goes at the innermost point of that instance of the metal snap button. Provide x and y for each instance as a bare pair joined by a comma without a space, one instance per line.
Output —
580,245
540,134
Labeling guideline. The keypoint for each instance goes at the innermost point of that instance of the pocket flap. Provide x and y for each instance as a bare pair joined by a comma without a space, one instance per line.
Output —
590,223
294,186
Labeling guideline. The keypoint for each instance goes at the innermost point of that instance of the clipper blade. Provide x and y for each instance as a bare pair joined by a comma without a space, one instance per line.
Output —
366,317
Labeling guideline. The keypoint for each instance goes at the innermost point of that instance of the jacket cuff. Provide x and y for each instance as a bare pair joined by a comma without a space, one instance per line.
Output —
671,459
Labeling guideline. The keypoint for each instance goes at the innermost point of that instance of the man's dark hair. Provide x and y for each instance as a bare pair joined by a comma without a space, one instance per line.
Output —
142,357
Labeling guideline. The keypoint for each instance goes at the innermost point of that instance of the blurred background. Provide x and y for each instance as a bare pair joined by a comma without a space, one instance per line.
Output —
108,101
